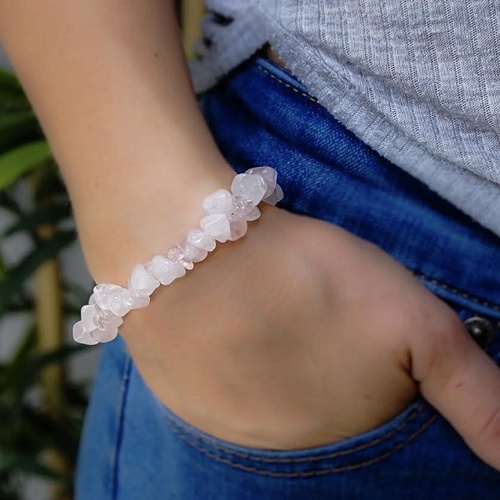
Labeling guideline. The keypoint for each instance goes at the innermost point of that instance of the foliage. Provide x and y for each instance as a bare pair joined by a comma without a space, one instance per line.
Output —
28,429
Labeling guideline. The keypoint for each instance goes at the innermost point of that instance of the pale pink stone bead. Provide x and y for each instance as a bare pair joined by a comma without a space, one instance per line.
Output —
106,335
217,226
220,202
250,187
275,197
178,254
107,319
89,316
245,207
201,239
269,174
102,292
194,253
238,226
81,335
103,288
141,282
118,302
137,301
165,270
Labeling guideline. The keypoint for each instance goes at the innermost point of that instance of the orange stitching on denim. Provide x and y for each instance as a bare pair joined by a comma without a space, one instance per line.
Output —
287,85
322,472
348,451
456,291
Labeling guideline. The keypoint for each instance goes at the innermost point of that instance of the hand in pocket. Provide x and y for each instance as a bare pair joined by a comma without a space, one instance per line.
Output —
302,334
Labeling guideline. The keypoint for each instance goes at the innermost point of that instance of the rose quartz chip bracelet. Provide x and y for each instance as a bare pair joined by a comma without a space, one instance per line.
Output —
226,218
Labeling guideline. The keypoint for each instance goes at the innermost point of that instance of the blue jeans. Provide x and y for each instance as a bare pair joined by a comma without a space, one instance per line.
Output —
134,448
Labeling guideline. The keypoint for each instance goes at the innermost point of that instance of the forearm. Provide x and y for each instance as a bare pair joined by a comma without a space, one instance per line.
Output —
109,84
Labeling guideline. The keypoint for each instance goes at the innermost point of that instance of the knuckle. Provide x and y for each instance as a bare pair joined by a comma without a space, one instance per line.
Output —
490,430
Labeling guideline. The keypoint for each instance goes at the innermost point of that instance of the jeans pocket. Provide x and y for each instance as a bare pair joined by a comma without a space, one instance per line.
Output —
414,432
349,454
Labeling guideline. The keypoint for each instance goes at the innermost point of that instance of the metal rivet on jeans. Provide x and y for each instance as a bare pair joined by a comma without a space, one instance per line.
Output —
481,330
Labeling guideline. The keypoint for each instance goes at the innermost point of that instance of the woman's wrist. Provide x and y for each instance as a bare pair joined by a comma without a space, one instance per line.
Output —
226,217
144,216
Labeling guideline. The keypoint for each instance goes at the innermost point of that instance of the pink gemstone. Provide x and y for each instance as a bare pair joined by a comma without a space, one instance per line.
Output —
178,254
217,226
89,316
138,301
141,282
246,208
194,253
269,174
275,197
238,226
220,202
81,335
250,187
201,239
102,292
165,270
106,335
107,325
116,303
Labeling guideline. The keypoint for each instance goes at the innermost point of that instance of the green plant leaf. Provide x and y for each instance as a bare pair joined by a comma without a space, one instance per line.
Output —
16,128
9,486
21,160
17,276
26,378
3,268
12,95
8,202
50,185
49,215
24,305
29,430
13,371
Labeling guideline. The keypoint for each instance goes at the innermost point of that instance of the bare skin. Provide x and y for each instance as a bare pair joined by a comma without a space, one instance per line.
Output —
300,334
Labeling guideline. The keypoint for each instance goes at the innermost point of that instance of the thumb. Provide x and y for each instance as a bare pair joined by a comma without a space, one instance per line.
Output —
463,384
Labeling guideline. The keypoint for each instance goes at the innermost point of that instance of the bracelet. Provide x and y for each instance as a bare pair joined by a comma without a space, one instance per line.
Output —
226,218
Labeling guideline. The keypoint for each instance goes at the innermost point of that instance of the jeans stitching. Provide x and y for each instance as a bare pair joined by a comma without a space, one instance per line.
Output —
287,85
456,291
309,473
414,413
120,418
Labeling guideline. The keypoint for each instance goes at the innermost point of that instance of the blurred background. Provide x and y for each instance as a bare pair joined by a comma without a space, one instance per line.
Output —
45,378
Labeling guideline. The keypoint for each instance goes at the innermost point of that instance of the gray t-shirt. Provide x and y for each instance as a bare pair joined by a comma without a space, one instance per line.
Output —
417,80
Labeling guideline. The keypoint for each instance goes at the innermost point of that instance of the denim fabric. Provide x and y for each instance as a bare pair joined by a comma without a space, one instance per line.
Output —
134,448
418,81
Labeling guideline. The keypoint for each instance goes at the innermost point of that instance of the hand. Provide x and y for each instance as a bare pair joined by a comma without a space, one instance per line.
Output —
301,334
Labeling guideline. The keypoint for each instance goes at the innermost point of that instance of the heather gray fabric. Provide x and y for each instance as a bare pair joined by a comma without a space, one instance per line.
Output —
417,80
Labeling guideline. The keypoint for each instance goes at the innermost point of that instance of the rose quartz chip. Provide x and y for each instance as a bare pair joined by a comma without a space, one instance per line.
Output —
220,202
141,282
250,187
201,239
165,270
217,226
